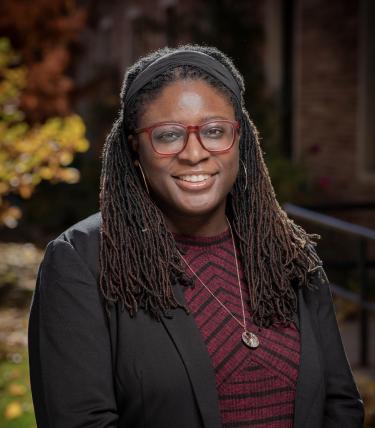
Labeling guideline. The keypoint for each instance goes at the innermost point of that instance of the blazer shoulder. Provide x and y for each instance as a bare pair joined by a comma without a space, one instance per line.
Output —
87,228
84,237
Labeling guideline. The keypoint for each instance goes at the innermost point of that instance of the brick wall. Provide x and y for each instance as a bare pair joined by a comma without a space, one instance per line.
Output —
326,98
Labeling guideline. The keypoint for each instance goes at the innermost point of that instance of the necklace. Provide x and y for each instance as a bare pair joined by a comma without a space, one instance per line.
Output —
248,338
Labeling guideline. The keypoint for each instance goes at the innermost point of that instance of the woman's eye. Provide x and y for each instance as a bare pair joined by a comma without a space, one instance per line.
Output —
168,136
215,132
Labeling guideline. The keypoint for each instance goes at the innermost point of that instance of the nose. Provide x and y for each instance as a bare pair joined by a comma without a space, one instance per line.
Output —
193,152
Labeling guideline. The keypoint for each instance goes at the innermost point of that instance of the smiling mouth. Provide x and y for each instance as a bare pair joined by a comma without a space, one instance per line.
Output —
195,182
194,178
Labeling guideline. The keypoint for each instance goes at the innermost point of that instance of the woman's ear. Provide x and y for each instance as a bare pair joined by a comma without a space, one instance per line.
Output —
133,141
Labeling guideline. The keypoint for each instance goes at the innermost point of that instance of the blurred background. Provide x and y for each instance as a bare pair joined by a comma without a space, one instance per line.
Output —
309,68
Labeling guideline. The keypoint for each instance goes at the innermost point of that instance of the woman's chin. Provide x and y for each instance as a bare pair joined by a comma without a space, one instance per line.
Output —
196,207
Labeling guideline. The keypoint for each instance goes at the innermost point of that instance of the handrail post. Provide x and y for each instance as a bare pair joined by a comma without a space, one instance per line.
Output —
364,296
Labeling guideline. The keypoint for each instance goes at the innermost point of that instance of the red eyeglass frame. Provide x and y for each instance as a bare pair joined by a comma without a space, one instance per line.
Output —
189,129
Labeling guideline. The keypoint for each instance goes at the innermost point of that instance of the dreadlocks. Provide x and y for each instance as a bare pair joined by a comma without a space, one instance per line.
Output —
138,255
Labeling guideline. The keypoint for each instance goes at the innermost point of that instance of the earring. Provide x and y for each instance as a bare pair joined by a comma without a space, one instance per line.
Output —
244,167
137,164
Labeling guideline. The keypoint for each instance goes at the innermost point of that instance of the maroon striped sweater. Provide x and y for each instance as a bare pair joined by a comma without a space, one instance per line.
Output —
256,387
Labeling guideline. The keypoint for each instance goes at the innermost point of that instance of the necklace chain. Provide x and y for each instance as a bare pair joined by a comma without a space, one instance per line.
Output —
250,339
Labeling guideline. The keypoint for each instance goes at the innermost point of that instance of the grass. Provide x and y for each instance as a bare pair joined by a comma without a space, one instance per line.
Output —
16,408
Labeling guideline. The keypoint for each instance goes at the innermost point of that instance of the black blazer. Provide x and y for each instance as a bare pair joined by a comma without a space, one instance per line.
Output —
91,370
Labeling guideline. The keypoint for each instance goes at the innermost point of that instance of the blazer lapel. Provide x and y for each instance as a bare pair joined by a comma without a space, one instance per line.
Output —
189,343
310,371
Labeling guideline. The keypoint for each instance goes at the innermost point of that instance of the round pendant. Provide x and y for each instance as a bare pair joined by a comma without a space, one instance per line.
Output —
250,339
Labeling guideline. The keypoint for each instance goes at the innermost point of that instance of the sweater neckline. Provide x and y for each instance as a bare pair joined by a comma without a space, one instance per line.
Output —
202,241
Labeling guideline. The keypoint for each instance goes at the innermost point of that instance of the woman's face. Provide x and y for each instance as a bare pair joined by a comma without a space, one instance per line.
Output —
193,182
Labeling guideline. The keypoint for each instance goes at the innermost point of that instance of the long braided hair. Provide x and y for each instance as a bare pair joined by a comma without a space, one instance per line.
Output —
139,261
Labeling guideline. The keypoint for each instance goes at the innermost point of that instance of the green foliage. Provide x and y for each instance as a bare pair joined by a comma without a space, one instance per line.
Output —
30,154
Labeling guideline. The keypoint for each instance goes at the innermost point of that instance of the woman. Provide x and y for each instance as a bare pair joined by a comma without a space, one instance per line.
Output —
191,300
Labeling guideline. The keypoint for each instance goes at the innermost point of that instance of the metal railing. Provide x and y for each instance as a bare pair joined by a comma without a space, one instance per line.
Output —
363,235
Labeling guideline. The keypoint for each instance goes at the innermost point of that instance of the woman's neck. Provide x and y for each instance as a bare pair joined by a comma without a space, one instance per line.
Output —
197,225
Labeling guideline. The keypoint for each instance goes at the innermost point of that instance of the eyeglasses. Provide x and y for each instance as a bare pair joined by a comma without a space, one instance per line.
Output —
169,139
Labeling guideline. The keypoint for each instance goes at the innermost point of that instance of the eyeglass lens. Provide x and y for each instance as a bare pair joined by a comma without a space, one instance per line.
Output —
171,138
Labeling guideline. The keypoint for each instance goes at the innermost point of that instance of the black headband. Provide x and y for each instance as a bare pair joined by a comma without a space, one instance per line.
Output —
196,58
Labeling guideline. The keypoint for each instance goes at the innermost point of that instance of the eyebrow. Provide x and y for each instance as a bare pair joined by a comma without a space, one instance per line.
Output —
202,120
216,117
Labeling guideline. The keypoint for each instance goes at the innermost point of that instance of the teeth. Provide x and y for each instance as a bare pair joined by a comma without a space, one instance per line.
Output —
195,178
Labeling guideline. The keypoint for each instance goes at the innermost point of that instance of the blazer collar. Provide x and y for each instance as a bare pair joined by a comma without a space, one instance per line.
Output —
310,374
189,342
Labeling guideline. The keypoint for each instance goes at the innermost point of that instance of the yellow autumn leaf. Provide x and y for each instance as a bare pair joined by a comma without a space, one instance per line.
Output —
9,216
3,187
25,191
15,373
36,180
82,145
65,158
13,410
69,175
17,389
46,173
